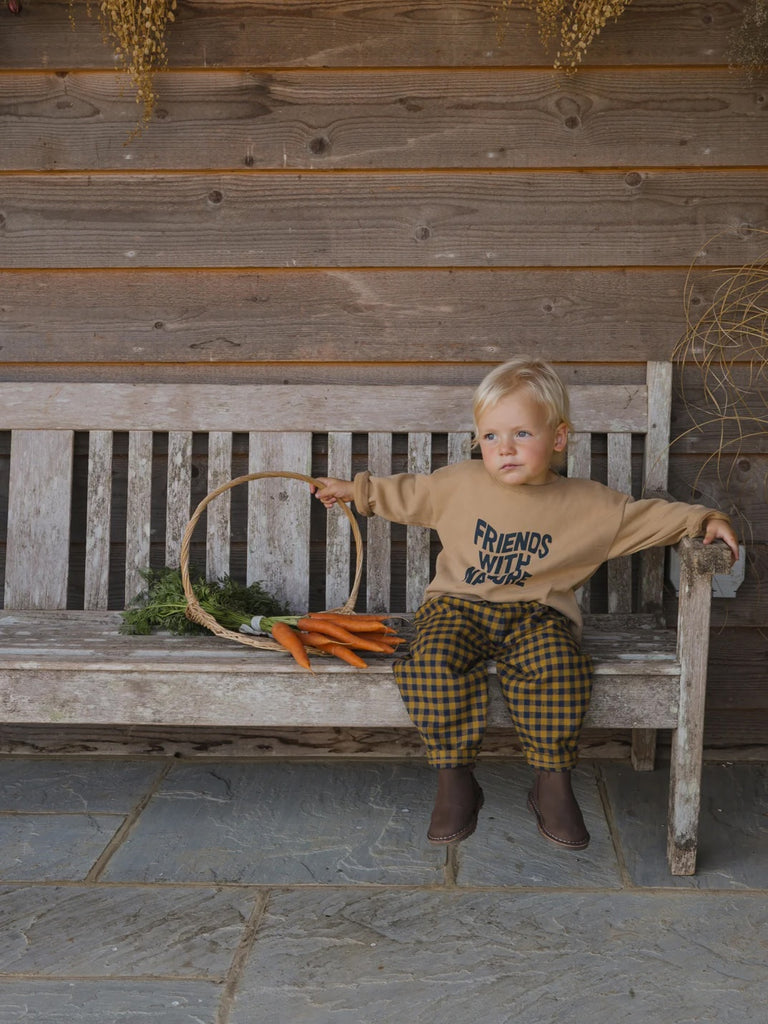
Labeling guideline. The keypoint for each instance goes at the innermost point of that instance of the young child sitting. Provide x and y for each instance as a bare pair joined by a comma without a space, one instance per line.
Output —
517,540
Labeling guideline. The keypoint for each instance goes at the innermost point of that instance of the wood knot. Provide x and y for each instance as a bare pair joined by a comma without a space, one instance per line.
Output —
319,145
215,197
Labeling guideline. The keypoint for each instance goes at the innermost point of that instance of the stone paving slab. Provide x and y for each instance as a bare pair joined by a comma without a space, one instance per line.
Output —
111,786
64,847
100,931
285,824
733,826
508,850
366,957
108,1002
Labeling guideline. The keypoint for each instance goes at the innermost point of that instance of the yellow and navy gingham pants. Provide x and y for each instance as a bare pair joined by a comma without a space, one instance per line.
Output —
545,677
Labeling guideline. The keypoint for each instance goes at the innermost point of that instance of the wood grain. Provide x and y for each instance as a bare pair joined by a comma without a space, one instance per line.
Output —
343,219
143,318
354,33
393,118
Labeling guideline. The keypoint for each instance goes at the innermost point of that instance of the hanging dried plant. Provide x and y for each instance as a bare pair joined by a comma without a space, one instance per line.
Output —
571,25
135,29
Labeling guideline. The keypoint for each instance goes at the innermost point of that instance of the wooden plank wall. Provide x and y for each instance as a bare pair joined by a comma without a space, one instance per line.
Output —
347,190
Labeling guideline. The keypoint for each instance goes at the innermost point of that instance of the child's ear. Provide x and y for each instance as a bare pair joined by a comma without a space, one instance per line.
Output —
561,437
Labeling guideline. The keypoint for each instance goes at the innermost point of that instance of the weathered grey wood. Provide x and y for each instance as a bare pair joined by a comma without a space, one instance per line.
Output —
382,219
388,118
643,751
417,537
278,516
320,408
37,542
579,464
87,672
375,33
179,489
656,473
655,481
149,317
138,511
620,478
338,536
99,515
378,542
687,741
459,446
218,533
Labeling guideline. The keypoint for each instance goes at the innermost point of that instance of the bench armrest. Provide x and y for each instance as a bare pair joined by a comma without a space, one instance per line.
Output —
703,559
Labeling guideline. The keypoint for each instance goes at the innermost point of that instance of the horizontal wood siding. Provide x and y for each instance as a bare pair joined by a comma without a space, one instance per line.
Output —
370,191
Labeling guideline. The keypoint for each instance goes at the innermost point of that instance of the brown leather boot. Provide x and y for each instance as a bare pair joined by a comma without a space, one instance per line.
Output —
457,804
558,815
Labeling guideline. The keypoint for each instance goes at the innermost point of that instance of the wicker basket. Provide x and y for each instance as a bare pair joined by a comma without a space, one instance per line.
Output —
197,614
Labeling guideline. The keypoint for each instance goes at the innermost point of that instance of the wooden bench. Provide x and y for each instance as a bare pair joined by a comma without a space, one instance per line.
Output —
101,480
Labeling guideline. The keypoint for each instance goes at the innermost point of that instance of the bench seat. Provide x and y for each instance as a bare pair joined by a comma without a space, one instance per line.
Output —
74,667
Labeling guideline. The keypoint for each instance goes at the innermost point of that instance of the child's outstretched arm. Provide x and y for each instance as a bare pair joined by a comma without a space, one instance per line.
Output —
332,489
718,529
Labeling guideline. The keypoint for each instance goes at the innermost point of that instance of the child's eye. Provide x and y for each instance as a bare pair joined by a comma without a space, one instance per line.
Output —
524,433
489,437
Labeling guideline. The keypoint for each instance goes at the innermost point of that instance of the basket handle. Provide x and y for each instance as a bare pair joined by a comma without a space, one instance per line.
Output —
196,613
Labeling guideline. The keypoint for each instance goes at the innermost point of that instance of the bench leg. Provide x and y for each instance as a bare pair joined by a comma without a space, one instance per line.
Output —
688,738
643,750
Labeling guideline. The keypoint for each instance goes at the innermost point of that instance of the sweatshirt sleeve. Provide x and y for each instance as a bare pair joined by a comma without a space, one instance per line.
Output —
652,522
404,498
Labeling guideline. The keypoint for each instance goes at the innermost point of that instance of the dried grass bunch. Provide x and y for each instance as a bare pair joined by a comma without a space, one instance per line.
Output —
570,24
728,345
135,29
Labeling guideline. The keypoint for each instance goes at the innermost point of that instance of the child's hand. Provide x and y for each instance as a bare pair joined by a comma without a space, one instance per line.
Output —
718,529
332,489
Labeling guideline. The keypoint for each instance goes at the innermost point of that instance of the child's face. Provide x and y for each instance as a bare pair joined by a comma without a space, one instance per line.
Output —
516,440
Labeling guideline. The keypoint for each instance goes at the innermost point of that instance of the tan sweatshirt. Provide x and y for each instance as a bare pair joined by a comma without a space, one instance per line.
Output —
524,543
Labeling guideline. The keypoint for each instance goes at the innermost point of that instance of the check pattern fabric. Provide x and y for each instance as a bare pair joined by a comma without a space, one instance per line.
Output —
545,677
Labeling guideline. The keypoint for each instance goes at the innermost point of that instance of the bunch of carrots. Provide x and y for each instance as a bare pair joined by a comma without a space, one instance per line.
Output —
339,633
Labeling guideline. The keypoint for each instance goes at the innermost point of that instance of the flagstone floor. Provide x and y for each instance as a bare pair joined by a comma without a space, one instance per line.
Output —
185,892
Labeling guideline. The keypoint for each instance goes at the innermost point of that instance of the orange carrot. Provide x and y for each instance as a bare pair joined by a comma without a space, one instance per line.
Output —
318,640
326,627
360,643
346,655
291,641
355,624
361,615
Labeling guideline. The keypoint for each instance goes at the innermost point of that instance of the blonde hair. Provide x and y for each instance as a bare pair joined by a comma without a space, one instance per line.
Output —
536,376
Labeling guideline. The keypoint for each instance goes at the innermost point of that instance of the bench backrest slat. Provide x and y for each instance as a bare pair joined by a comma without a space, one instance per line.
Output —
620,478
279,515
655,475
280,408
99,519
218,530
40,493
179,489
338,537
417,537
136,513
378,543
